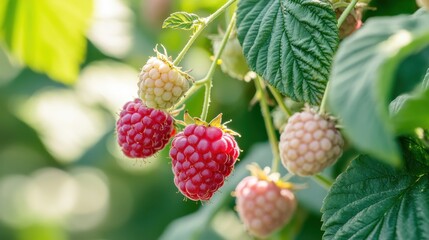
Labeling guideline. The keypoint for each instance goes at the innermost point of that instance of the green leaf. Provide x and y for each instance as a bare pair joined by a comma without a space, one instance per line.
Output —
410,111
417,155
372,200
289,43
363,79
47,35
182,20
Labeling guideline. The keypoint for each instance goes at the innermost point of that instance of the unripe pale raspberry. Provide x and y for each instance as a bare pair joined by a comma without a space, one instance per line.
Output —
263,205
161,84
203,156
309,143
143,131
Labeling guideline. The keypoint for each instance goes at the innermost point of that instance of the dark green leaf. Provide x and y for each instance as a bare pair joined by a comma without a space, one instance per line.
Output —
182,20
416,155
363,79
410,111
47,35
408,76
290,43
372,200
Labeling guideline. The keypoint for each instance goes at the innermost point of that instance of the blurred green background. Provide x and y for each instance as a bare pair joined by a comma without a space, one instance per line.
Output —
62,175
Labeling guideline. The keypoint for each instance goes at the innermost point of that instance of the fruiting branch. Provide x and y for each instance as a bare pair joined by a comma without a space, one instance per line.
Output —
206,21
208,78
323,181
279,100
268,123
340,21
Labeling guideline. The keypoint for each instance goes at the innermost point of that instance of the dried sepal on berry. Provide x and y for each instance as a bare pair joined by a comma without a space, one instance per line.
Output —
264,202
161,84
310,142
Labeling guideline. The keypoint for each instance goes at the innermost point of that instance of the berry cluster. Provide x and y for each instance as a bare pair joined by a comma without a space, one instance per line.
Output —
203,154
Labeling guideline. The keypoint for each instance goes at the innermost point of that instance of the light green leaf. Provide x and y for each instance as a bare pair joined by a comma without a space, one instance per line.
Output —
182,20
47,35
372,200
290,44
363,79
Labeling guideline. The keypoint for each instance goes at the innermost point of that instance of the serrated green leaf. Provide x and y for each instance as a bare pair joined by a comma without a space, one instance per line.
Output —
410,111
363,79
47,35
289,43
372,200
182,20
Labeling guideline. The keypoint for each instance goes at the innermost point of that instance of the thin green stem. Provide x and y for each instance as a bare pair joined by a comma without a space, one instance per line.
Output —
342,18
279,100
207,80
346,12
322,108
207,94
323,181
268,123
189,93
206,21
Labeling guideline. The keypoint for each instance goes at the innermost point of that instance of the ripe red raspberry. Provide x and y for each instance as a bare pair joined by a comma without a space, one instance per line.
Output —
203,156
143,131
161,84
264,204
309,143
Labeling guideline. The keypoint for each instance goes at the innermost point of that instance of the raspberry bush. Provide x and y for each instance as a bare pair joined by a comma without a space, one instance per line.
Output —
362,132
326,103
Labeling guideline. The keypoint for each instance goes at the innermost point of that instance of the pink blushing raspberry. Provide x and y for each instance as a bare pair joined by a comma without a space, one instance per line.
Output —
143,131
263,206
